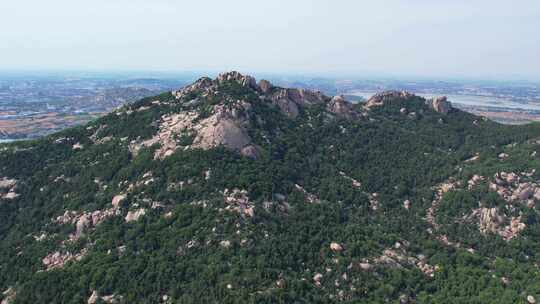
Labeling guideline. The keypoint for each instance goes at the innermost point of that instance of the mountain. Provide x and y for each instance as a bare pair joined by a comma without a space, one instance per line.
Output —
233,191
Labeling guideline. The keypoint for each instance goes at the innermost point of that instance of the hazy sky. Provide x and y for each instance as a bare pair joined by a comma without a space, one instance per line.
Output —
472,38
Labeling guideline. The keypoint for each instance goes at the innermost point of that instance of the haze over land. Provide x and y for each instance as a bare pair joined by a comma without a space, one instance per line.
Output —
474,39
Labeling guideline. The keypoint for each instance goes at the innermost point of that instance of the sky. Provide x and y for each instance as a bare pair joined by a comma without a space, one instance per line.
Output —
491,39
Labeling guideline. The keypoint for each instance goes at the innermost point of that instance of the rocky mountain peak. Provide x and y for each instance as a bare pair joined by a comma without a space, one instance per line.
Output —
437,104
379,99
244,80
219,112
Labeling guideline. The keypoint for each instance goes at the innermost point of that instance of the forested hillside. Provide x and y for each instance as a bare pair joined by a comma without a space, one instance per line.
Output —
232,191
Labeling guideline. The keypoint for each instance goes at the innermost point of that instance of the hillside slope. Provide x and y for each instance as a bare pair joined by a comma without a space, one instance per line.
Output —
232,191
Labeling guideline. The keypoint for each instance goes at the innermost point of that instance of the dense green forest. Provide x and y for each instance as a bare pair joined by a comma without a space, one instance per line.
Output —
380,205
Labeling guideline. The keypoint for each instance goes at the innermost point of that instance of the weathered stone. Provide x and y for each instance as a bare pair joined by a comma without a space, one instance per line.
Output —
440,105
336,247
94,298
317,279
503,156
77,146
265,86
526,193
250,151
380,99
117,200
135,215
338,105
407,204
6,183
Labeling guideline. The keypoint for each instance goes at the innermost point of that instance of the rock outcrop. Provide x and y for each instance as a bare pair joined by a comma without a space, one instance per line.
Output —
516,187
291,100
336,247
9,185
490,220
85,220
225,122
133,216
338,105
244,80
380,99
237,200
265,86
8,296
58,259
440,104
398,257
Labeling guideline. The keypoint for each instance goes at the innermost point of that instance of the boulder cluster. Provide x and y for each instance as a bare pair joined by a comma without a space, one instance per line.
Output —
84,221
398,257
490,220
516,187
58,259
238,201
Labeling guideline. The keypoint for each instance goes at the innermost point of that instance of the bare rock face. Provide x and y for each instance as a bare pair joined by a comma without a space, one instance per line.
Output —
304,97
224,127
338,105
84,221
6,183
336,247
288,107
489,220
265,86
224,124
440,104
10,185
290,100
58,259
133,216
220,129
117,200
